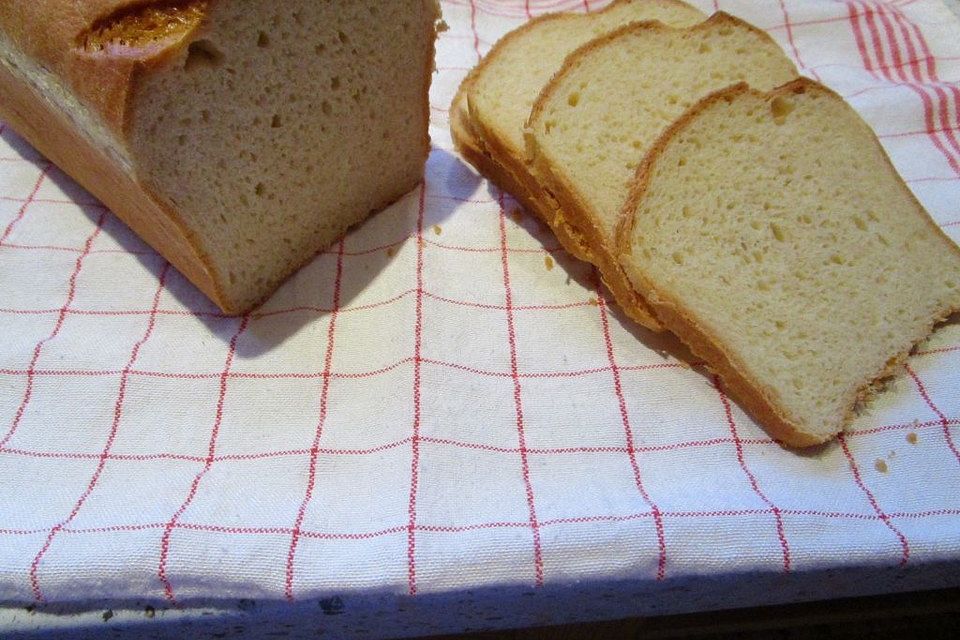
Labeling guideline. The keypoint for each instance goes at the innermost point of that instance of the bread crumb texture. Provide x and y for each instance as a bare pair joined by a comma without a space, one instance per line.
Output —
607,108
778,228
281,125
504,93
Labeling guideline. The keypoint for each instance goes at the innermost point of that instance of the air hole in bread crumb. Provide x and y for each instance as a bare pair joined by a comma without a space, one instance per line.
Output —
335,83
780,108
276,123
343,37
259,189
263,40
319,49
326,108
200,54
777,231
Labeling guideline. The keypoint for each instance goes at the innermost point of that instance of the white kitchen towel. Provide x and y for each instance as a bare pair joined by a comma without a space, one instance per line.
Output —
444,401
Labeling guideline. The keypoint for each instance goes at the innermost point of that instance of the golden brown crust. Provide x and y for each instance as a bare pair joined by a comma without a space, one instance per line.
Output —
470,145
85,49
102,79
484,149
753,396
59,140
550,205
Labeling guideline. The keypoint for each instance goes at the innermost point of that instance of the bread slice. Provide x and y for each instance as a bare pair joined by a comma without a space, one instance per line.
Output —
238,137
772,234
500,92
596,119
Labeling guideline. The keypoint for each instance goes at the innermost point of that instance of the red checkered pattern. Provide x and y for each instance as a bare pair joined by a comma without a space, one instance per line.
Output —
444,400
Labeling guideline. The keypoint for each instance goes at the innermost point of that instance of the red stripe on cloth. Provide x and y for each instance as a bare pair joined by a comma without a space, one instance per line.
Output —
321,423
788,25
473,28
947,436
104,455
58,325
415,439
911,31
518,399
858,36
208,463
628,432
695,444
885,518
23,210
927,352
929,108
738,443
432,528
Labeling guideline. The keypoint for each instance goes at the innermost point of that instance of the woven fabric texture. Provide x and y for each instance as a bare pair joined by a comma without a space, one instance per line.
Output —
445,400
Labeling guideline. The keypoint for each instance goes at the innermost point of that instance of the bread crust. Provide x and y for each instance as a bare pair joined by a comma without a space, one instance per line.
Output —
508,167
107,82
757,399
470,144
578,213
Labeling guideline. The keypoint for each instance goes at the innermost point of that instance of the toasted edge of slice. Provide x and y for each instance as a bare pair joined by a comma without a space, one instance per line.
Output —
690,328
472,149
506,166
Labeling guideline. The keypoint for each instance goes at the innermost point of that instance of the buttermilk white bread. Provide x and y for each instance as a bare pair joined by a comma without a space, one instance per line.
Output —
238,137
595,120
494,102
771,233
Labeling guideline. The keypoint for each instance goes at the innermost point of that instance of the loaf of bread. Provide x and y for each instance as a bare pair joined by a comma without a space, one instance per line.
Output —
237,137
771,233
494,102
600,114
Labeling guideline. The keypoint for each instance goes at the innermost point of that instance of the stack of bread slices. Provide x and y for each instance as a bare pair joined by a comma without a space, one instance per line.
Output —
721,197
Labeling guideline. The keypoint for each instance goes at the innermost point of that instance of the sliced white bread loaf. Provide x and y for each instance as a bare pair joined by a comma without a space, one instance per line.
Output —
772,234
238,137
500,92
600,114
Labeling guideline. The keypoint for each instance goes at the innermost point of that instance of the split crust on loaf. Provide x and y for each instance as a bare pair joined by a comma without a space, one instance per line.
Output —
107,89
764,402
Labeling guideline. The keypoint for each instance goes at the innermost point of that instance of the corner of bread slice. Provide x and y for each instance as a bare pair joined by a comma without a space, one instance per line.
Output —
811,273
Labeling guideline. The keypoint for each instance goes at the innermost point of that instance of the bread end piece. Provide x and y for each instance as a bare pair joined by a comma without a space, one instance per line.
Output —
238,138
